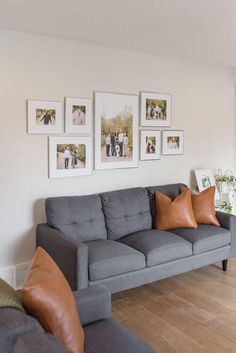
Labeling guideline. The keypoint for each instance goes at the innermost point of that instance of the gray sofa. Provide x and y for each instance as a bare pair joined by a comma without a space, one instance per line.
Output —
109,239
21,333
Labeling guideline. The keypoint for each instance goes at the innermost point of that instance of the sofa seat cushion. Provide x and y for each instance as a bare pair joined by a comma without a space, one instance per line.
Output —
109,258
109,335
158,246
205,237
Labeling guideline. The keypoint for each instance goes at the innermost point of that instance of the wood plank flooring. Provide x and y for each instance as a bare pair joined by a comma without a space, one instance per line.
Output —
190,313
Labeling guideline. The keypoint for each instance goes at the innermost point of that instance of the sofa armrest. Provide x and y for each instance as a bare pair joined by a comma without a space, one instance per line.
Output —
70,255
228,221
93,303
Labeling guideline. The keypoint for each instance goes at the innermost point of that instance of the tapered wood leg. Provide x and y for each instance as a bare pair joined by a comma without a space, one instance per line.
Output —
224,265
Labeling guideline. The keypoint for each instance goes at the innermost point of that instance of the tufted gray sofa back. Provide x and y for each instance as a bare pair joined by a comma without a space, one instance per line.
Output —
80,217
110,215
126,211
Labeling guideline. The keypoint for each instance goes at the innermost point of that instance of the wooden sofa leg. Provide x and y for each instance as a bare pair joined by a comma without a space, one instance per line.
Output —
224,265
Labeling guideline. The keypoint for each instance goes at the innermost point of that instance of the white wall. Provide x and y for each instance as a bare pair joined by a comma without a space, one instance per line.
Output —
41,68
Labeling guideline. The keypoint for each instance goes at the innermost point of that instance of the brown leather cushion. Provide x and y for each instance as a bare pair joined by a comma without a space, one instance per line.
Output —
175,214
204,207
47,296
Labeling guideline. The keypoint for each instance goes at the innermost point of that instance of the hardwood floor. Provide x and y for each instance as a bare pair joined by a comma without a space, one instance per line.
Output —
190,313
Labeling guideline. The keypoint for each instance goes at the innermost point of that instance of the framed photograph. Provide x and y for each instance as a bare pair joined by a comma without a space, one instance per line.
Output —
116,130
44,117
155,109
78,117
70,156
172,142
150,144
205,178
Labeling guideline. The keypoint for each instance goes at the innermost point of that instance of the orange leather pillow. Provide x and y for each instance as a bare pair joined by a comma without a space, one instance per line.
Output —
47,296
175,214
204,207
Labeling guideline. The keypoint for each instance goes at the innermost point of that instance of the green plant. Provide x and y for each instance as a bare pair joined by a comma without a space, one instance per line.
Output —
227,178
227,207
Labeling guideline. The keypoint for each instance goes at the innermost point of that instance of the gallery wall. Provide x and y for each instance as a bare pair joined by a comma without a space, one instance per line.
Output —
41,68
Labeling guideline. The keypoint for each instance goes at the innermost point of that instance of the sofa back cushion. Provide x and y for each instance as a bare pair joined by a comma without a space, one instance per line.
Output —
80,217
170,190
126,211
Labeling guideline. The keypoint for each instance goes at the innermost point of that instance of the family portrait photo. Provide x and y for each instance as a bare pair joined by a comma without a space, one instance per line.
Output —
150,142
70,156
173,142
155,109
116,124
44,117
78,115
206,182
117,145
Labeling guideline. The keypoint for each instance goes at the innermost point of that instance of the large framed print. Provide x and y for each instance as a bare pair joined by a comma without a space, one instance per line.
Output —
44,117
155,109
172,142
150,144
70,156
78,117
116,130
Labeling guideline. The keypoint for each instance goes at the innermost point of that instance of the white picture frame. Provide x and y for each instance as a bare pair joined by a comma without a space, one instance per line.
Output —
205,178
44,117
70,164
172,142
155,109
150,145
116,119
78,115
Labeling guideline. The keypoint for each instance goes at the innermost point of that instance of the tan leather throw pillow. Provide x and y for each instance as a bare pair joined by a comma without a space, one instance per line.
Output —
47,296
175,214
204,207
